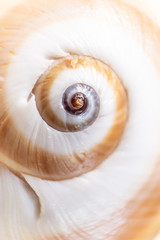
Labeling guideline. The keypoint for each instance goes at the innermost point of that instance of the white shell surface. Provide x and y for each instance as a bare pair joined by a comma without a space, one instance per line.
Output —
84,201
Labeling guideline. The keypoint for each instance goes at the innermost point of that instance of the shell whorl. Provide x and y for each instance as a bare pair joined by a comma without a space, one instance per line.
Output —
44,117
60,166
99,158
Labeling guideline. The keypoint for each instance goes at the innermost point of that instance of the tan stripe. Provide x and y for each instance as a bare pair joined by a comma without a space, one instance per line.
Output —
26,19
31,159
44,87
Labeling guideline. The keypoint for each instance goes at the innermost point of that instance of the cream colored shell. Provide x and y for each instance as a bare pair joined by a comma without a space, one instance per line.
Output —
99,183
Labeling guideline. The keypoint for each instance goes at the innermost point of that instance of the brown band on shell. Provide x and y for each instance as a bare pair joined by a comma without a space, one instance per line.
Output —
42,91
26,153
43,164
40,163
20,18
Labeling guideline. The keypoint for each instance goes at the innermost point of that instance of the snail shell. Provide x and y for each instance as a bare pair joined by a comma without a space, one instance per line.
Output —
79,121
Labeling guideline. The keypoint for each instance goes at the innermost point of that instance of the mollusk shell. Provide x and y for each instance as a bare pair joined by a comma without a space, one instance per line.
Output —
109,172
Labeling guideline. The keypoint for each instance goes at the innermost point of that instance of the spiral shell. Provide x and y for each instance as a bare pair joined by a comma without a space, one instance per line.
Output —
36,132
79,120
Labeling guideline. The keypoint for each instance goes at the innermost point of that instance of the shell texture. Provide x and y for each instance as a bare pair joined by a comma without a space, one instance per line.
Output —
79,120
